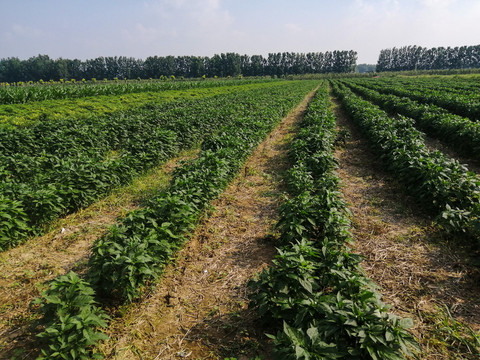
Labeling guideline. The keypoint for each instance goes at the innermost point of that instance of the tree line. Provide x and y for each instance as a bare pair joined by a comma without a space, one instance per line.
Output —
421,58
42,67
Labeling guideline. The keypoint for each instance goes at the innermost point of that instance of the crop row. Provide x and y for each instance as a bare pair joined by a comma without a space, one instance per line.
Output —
460,132
134,252
15,115
460,85
328,308
51,169
442,184
467,104
54,168
24,94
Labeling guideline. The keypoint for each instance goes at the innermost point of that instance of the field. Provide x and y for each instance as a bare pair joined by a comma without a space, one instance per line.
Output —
185,219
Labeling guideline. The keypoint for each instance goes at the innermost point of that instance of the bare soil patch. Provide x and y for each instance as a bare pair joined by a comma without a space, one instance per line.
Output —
199,309
419,270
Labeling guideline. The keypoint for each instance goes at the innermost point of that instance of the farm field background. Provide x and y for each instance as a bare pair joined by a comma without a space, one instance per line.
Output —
75,101
177,219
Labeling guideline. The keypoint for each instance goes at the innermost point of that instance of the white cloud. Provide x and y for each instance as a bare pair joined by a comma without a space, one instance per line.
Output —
372,25
293,28
201,12
142,34
18,31
192,21
24,41
435,4
175,27
448,23
378,8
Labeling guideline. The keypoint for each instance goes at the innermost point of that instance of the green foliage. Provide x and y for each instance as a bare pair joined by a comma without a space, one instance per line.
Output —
460,132
220,65
126,266
456,335
76,109
135,251
440,183
463,101
70,320
24,94
315,286
285,287
421,58
53,168
371,334
13,222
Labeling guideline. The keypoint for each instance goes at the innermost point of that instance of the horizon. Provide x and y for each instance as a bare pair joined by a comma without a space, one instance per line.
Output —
93,29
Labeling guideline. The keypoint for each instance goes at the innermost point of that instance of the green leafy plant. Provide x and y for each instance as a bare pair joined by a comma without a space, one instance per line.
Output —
135,251
53,168
71,320
13,222
441,184
462,133
315,287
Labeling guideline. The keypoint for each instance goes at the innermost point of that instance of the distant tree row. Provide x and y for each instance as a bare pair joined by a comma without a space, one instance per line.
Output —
366,68
420,58
229,64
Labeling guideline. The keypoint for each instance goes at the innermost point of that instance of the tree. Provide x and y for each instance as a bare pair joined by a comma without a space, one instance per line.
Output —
224,64
437,58
12,70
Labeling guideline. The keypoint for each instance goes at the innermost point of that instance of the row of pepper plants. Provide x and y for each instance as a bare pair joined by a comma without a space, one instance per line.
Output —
440,183
25,94
316,293
23,115
464,104
53,168
459,85
133,253
459,132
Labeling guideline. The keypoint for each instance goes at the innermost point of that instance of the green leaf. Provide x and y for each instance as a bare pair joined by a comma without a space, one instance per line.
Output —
406,323
306,284
313,334
301,353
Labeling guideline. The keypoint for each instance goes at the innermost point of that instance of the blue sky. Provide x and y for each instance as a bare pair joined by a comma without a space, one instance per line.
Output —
86,29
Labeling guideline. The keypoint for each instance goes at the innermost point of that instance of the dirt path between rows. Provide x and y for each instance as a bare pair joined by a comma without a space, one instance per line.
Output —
66,247
199,310
419,270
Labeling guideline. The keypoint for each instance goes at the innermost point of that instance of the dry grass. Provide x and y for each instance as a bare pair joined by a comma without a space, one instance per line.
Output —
419,270
199,308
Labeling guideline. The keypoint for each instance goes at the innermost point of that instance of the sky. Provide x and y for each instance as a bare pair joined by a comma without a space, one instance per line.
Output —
86,29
